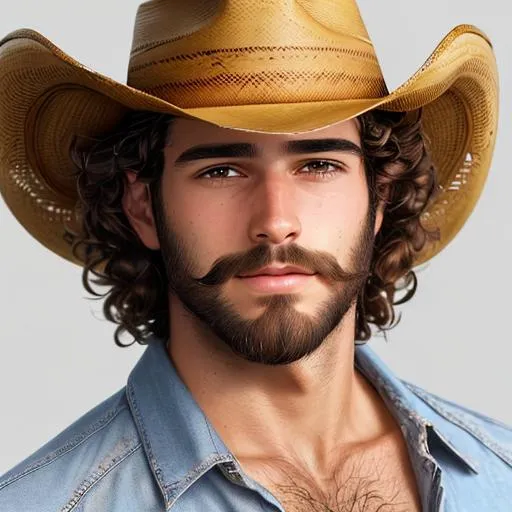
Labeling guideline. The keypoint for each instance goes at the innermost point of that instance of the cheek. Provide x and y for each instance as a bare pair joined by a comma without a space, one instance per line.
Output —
335,220
203,225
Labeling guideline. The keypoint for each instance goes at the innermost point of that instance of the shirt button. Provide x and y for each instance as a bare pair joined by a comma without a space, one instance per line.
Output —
231,472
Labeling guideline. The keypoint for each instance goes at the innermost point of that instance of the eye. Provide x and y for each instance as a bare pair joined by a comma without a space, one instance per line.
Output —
325,168
217,173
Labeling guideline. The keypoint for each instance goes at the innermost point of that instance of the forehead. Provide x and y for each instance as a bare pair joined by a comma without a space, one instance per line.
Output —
188,132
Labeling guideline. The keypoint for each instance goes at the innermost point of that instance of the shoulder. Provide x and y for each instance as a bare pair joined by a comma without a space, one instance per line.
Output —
493,434
57,475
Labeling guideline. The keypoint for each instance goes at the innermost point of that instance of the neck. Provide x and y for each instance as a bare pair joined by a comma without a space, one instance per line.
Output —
305,411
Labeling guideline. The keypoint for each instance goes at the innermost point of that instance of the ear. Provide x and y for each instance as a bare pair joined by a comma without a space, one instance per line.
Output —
137,208
379,216
382,201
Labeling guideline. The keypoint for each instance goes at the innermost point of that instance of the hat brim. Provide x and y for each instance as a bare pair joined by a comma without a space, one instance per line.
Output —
48,98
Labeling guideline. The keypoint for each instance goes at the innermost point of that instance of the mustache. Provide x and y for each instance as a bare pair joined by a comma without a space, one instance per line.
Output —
313,261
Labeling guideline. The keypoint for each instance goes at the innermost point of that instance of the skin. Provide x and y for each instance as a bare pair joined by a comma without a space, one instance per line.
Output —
269,207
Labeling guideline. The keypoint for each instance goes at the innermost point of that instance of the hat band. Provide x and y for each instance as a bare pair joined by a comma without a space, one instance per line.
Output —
260,75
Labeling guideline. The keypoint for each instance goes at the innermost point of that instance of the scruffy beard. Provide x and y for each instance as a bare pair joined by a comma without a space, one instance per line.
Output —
281,334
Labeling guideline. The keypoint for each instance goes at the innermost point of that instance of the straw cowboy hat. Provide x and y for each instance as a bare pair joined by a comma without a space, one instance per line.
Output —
280,66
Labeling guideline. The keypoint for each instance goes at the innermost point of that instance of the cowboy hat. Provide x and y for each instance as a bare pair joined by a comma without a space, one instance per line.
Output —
279,66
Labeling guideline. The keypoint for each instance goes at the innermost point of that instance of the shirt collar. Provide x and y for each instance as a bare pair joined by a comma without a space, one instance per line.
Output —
179,441
413,412
181,444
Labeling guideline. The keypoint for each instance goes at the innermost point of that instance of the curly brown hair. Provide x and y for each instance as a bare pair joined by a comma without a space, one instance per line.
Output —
399,171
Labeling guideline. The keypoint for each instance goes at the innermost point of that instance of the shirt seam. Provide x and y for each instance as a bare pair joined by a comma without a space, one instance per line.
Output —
132,402
69,446
88,483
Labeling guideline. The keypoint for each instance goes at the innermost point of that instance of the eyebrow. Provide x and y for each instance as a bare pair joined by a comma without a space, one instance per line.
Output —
245,150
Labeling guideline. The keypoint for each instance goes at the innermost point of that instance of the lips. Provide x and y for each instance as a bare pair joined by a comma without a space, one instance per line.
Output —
277,271
285,280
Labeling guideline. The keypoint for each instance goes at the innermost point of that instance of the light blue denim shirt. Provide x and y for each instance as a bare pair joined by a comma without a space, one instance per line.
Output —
150,448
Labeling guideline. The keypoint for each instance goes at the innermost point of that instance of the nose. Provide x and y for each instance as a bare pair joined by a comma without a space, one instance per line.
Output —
275,219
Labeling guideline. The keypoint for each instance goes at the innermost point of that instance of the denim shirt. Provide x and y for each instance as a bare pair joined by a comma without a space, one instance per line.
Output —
150,448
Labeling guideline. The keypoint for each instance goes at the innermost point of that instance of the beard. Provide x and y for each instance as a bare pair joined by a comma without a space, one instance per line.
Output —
281,334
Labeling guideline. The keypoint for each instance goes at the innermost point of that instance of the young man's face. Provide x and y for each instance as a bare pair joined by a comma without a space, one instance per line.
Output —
266,199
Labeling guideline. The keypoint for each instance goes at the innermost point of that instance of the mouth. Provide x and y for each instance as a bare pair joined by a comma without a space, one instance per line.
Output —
276,283
273,270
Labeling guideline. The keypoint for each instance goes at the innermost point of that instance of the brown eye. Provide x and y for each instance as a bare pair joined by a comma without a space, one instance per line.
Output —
324,168
217,173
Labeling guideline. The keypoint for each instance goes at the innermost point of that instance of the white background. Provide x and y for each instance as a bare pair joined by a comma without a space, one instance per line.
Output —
58,358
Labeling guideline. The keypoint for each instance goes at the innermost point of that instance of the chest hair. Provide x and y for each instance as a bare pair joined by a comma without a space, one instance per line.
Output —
368,482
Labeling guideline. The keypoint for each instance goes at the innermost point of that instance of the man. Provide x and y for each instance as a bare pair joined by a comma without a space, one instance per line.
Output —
255,200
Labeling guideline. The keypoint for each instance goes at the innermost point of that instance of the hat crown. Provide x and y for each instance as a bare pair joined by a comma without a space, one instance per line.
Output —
203,53
160,21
